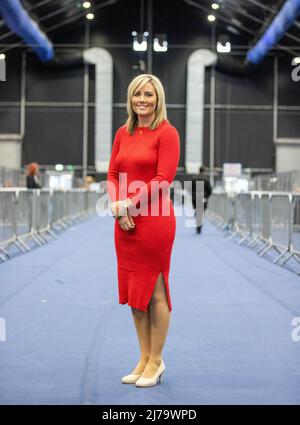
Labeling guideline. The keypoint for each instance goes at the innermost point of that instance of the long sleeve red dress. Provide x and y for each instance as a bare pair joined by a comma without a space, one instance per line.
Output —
138,164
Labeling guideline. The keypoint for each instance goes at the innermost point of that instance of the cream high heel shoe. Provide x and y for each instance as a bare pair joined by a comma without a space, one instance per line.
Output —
149,382
131,379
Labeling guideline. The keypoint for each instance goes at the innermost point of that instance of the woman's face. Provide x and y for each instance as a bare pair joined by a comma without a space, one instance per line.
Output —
144,101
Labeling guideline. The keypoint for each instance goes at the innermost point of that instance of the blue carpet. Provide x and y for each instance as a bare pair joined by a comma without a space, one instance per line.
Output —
69,341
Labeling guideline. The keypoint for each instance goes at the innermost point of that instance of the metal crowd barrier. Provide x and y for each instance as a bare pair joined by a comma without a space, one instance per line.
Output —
264,220
281,182
11,177
38,215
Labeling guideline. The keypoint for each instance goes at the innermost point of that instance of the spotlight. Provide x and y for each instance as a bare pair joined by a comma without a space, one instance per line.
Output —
215,6
90,16
296,61
211,18
2,56
160,43
86,4
139,43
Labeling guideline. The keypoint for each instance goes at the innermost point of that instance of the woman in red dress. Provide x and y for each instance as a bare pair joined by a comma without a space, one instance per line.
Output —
143,164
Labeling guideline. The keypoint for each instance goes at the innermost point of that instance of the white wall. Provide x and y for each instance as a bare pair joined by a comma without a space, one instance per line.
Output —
287,155
10,153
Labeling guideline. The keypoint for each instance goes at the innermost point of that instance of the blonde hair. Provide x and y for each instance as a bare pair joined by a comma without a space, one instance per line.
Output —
160,113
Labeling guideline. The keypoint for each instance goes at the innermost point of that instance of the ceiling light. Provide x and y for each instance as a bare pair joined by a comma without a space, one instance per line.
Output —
160,43
2,56
140,43
86,4
90,16
296,61
215,6
211,18
59,167
223,47
223,44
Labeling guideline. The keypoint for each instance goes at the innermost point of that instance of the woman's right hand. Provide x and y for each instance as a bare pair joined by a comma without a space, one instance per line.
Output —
126,222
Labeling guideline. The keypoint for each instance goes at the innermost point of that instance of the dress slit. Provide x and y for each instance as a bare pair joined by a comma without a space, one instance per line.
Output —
167,289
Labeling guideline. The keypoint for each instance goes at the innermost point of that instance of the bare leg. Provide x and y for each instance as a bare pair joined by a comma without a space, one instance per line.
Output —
143,328
159,318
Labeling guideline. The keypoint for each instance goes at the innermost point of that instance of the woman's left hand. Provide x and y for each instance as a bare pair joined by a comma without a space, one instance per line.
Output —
119,208
126,223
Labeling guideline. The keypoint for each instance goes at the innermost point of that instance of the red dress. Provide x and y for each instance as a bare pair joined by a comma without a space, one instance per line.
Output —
137,164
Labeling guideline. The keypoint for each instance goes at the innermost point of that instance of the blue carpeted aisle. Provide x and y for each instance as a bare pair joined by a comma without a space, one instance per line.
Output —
69,341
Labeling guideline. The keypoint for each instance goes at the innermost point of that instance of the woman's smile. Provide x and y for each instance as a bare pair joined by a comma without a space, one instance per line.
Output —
140,96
